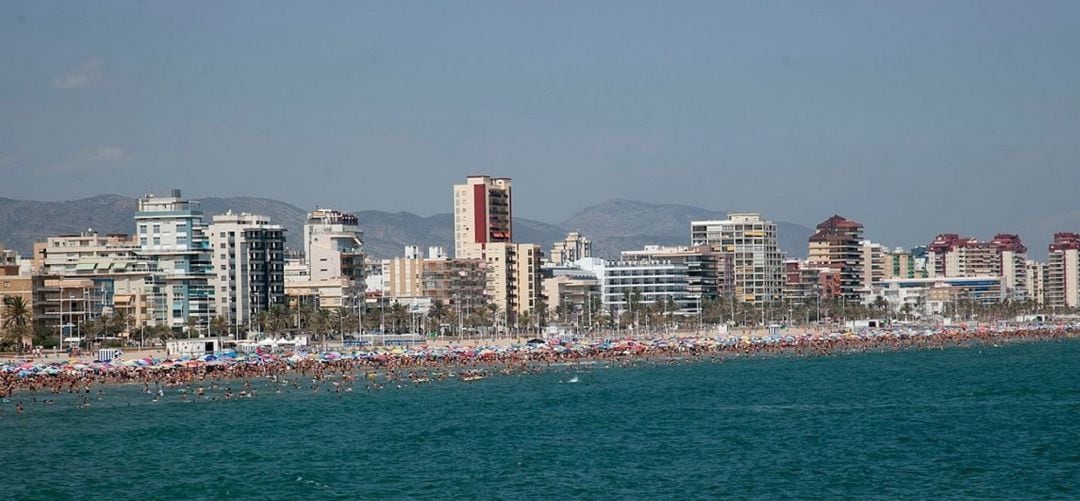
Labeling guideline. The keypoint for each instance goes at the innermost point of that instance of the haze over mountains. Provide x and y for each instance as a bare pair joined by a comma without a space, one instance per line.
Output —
612,225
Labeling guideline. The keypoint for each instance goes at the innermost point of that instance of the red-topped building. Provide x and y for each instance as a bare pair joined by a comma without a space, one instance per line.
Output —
953,256
837,244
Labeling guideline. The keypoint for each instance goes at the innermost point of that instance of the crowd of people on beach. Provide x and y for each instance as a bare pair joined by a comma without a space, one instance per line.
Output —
229,375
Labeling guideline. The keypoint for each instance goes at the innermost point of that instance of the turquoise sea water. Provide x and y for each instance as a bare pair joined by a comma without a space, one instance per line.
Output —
983,422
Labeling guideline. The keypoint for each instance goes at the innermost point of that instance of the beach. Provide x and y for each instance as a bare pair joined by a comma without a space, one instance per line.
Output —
207,377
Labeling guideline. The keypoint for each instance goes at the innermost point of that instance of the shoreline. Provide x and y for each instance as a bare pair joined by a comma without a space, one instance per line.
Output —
469,363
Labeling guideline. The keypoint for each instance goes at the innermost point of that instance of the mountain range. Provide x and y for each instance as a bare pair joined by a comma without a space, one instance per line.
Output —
612,225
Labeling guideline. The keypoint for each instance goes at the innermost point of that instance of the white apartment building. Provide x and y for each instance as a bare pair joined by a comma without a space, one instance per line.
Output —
874,263
249,266
1036,281
643,281
757,266
333,246
939,295
333,253
1063,271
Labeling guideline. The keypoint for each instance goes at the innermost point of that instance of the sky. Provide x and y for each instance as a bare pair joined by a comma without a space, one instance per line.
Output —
913,117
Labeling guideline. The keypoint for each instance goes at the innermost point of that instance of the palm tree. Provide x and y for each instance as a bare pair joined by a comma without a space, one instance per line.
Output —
526,321
439,312
219,324
399,316
277,319
881,305
120,321
192,325
17,319
94,328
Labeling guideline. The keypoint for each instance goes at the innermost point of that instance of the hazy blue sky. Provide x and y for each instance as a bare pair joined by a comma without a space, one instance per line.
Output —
913,117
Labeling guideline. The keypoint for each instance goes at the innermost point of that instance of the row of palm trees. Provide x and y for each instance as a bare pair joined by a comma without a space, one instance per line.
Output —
16,318
393,318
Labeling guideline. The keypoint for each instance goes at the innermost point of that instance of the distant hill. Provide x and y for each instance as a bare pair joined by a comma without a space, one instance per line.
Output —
613,225
386,234
620,224
23,222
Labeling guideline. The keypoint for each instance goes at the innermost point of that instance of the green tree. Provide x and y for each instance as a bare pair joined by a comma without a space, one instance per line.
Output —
17,320
439,314
192,326
398,317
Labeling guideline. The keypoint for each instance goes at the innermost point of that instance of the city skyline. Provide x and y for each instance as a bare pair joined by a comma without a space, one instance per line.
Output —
915,119
1038,242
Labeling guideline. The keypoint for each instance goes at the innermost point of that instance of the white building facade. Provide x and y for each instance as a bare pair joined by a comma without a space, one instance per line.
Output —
757,265
249,266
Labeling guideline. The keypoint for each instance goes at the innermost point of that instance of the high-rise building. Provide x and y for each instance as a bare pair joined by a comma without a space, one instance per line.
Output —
1063,271
333,246
483,230
335,262
757,266
483,214
249,266
1012,258
952,256
875,259
513,276
1036,281
574,247
837,243
172,237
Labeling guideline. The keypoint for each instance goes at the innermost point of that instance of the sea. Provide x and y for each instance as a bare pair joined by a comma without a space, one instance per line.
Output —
982,422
